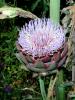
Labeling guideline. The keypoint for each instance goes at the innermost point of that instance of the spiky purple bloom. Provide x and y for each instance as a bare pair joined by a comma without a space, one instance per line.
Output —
41,37
7,88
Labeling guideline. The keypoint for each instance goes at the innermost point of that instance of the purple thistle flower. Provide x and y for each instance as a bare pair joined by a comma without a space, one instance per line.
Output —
41,37
7,88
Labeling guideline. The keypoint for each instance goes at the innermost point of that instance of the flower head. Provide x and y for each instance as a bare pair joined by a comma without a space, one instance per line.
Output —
41,37
7,88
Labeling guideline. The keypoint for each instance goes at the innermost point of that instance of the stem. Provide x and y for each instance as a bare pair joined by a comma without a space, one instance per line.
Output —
42,88
51,87
2,3
60,91
55,16
73,74
73,98
55,10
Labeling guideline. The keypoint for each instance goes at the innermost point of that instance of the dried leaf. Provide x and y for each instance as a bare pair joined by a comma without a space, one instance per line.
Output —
11,12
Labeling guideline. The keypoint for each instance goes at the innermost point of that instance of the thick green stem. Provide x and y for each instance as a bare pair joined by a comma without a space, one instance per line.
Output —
2,3
42,88
73,99
55,16
55,10
60,89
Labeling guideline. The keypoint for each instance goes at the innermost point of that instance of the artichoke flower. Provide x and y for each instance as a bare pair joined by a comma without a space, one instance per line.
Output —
42,45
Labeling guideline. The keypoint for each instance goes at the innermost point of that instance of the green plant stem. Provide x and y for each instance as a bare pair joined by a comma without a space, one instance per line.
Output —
2,3
60,90
51,87
55,10
73,98
55,16
42,88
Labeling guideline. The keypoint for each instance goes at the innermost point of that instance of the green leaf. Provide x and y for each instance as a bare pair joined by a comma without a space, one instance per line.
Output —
42,88
24,67
11,12
20,59
35,5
